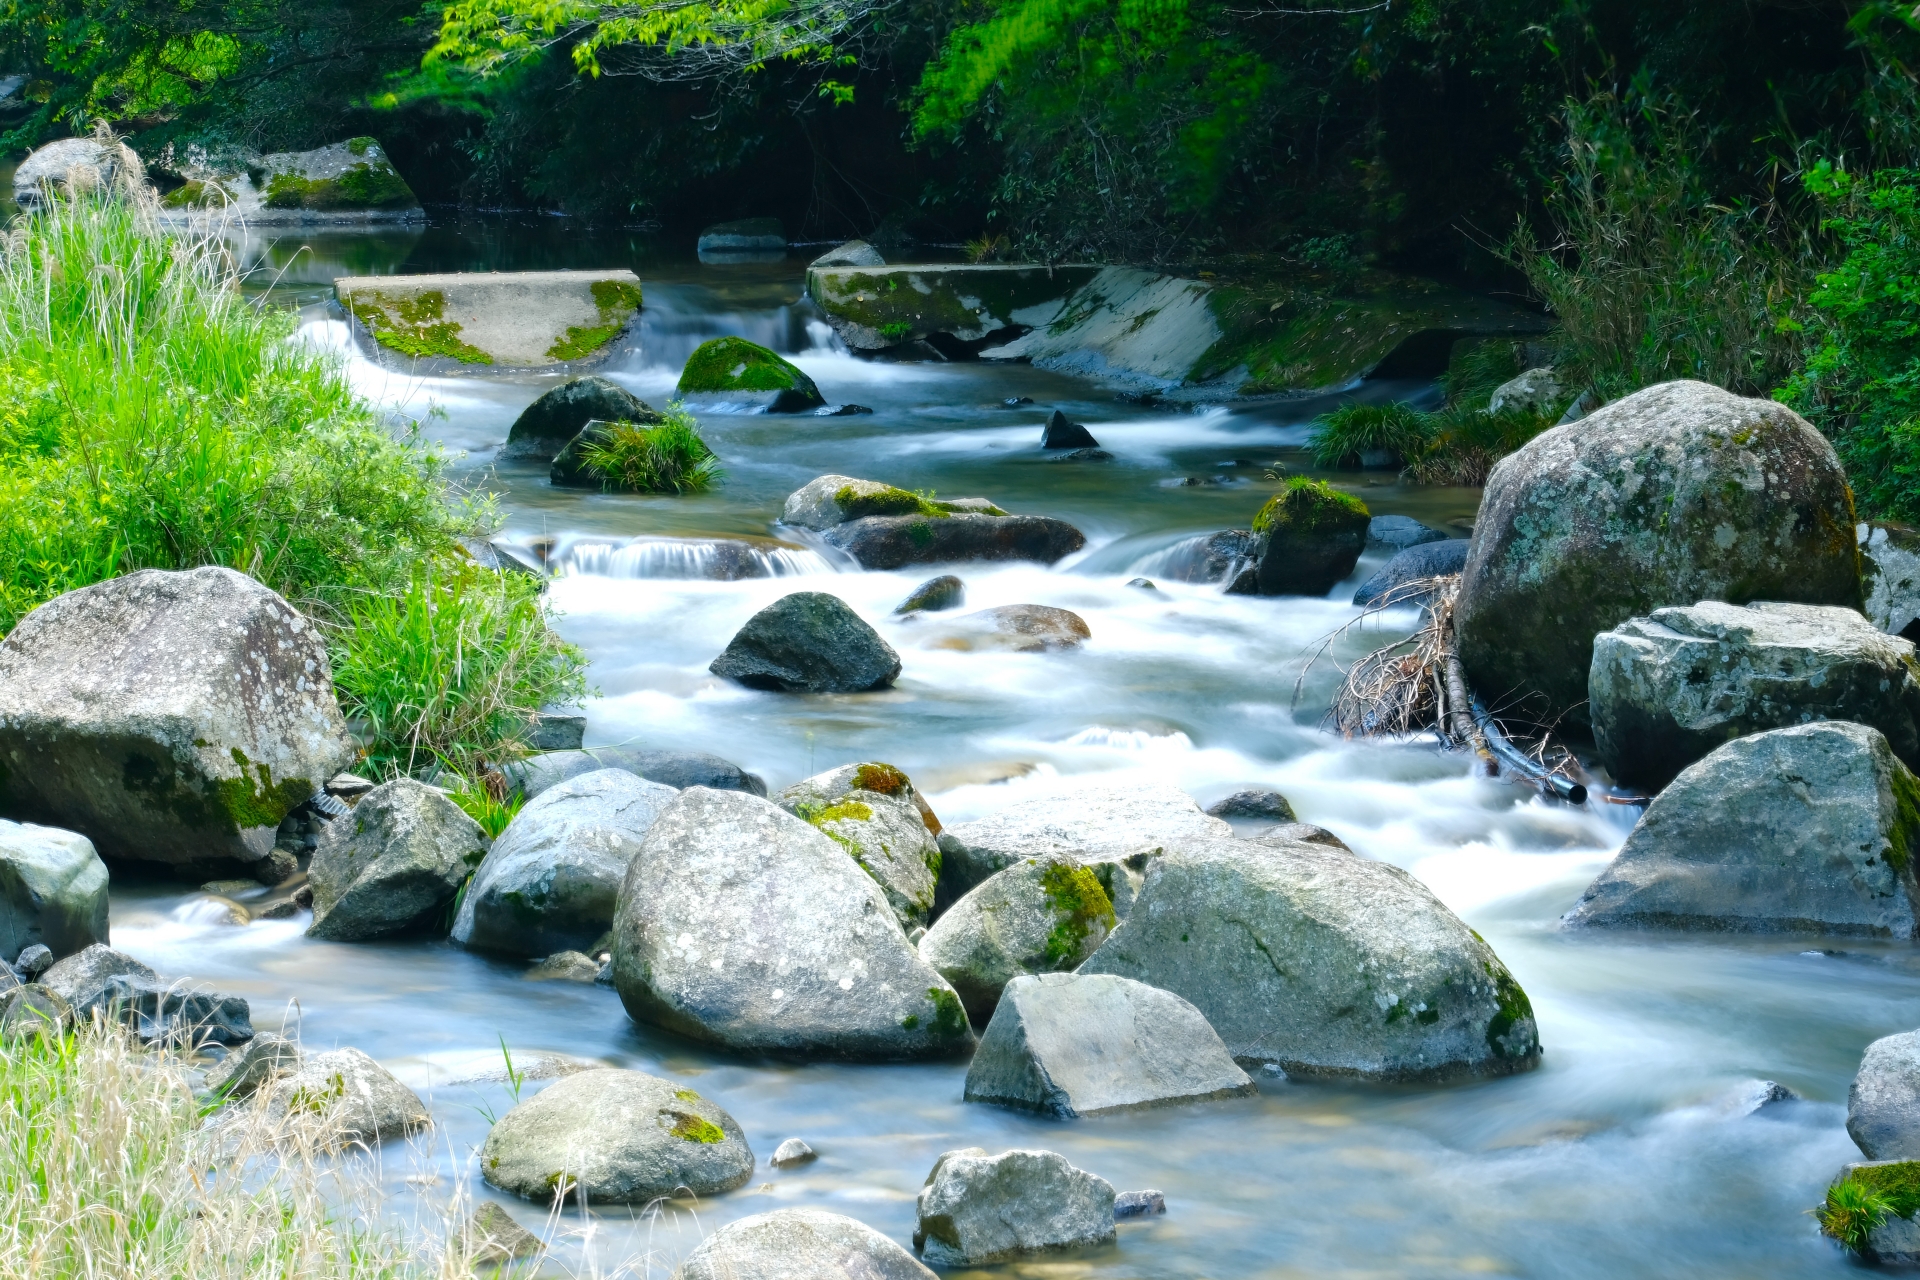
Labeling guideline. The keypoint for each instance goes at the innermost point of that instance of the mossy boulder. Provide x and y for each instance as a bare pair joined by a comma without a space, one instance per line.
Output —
168,717
1307,538
355,176
1809,829
808,642
737,370
393,864
1040,915
504,319
546,426
876,307
872,811
1676,494
1873,1209
828,501
954,537
1322,963
615,1137
361,1102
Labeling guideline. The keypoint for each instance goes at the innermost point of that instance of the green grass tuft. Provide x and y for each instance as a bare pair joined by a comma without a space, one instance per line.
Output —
669,457
1860,1202
1304,505
1342,437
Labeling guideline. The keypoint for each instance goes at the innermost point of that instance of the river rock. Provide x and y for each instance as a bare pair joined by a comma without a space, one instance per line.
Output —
33,961
30,1009
491,1236
741,925
393,865
76,166
869,810
1537,391
677,769
550,880
742,372
53,891
1015,628
1890,573
1299,833
1665,690
1062,434
367,1105
1138,1204
1323,964
935,595
1071,1045
808,642
831,500
1310,537
791,1154
976,1209
1254,803
1211,557
1397,533
1425,560
1089,824
799,1244
894,542
168,717
1895,1243
82,978
177,1012
1811,829
854,253
1039,915
1673,495
351,181
743,235
1883,1106
256,1064
615,1137
546,426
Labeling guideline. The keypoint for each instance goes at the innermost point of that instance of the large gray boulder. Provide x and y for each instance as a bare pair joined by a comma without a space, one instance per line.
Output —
1076,1044
1811,829
808,642
546,426
976,1209
868,809
359,1100
1883,1106
894,542
78,166
550,880
1092,824
1323,963
1672,495
799,1244
741,925
1390,582
393,864
676,769
168,717
53,890
1665,690
1039,915
615,1137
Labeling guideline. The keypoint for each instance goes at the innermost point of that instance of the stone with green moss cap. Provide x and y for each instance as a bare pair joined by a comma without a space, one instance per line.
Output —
615,1137
1040,915
168,717
1808,829
743,372
870,810
550,423
500,320
1873,1210
1322,963
1307,538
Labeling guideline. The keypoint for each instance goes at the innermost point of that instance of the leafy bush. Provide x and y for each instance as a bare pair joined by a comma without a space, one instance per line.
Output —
1345,436
669,457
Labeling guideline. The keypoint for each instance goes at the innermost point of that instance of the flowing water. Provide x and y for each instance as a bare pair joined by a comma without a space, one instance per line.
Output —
1633,1150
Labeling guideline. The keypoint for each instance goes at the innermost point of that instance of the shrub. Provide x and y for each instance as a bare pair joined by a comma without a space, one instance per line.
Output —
1342,438
1465,443
666,458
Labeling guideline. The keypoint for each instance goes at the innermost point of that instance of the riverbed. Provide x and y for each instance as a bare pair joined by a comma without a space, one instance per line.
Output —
1635,1149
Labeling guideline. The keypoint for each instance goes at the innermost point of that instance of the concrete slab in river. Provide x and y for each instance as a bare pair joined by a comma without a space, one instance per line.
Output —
516,320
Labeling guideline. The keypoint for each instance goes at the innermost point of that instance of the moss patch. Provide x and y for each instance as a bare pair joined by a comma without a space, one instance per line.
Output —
856,505
369,185
1513,1006
692,1128
734,364
881,778
1904,838
1308,506
1865,1198
949,1019
414,325
1076,897
616,301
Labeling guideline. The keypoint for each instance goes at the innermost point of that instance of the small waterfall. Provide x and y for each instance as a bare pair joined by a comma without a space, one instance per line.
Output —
1206,557
712,559
678,318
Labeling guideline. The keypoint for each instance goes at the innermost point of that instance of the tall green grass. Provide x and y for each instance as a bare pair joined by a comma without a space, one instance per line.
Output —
667,457
1457,445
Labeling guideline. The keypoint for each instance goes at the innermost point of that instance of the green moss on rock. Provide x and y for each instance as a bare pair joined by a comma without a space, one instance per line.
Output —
1309,506
616,301
949,1019
1074,892
692,1128
881,778
415,325
1513,1007
734,364
857,504
368,185
1862,1199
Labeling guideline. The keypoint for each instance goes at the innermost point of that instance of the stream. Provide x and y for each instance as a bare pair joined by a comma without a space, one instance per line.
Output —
1635,1149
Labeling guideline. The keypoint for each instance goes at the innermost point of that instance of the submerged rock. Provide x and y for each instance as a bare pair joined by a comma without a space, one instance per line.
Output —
1323,964
1665,690
1214,557
1017,628
1062,434
1397,533
549,882
53,891
393,865
808,642
952,537
1883,1105
546,426
1310,537
1811,829
1254,803
615,1137
1039,915
168,717
743,926
1425,560
799,1244
976,1209
253,1066
935,595
743,372
1070,1045
743,235
870,810
1672,495
677,769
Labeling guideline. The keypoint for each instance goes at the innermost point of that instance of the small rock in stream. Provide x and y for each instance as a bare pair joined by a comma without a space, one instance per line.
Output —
34,961
491,1236
1059,433
977,1209
935,594
1138,1204
791,1153
1254,802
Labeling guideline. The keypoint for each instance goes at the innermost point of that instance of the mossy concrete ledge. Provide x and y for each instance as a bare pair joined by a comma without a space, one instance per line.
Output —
875,308
502,320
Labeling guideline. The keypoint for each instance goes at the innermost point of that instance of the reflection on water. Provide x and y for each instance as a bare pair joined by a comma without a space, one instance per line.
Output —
1632,1151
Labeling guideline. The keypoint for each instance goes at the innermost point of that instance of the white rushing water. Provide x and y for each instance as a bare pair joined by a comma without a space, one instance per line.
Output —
1631,1151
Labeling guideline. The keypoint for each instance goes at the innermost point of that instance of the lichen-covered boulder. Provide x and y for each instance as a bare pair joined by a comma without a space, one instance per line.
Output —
808,642
1015,628
1673,495
361,1101
549,882
1083,1044
53,891
546,426
168,717
74,166
677,769
1810,829
393,864
799,1244
743,926
615,1137
976,1209
1323,963
1665,690
1389,583
1040,915
869,810
1539,392
743,372
1087,825
1883,1104
954,537
1310,537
